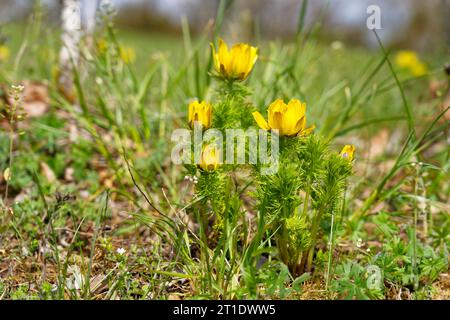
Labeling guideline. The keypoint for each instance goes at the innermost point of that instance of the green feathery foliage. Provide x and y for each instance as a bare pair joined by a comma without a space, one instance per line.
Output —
307,188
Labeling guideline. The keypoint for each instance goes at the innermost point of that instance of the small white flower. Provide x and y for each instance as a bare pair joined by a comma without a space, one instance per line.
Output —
121,251
18,87
337,45
359,243
192,179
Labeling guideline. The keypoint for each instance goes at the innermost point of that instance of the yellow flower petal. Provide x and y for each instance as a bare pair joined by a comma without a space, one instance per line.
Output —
297,127
307,131
223,56
274,107
201,112
294,119
210,158
262,123
348,152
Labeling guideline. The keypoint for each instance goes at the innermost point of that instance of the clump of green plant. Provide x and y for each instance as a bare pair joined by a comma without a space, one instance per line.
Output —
353,281
215,187
304,198
305,187
396,262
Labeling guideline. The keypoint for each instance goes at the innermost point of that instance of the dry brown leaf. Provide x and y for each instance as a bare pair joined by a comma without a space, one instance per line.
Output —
68,174
35,99
47,172
73,133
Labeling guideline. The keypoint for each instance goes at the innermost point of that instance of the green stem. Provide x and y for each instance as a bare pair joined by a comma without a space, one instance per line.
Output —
11,142
284,256
330,252
306,202
414,257
314,228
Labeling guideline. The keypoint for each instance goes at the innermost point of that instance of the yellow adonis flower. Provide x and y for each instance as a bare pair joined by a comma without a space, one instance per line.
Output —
418,69
234,64
404,59
201,112
210,158
348,152
4,53
409,60
289,119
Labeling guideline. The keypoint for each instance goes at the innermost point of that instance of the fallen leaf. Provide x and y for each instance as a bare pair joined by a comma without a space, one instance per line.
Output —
68,174
7,174
35,98
47,172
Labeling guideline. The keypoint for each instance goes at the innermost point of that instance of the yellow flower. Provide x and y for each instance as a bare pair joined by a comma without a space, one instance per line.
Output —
409,60
234,64
418,69
102,45
210,158
348,152
201,112
4,53
405,59
127,54
289,119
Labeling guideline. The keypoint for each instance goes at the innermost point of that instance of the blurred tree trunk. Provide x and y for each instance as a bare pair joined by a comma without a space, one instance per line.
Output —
70,38
90,10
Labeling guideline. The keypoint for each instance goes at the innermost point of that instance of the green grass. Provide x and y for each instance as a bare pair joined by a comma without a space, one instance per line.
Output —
113,185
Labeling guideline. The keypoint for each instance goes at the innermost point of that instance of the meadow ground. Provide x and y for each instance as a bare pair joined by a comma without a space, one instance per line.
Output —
93,207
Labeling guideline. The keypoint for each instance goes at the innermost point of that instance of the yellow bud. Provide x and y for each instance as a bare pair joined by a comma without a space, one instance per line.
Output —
348,152
200,112
210,158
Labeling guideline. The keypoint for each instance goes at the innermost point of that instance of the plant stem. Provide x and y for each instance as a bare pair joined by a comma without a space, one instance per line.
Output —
330,252
414,257
11,143
314,228
306,202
